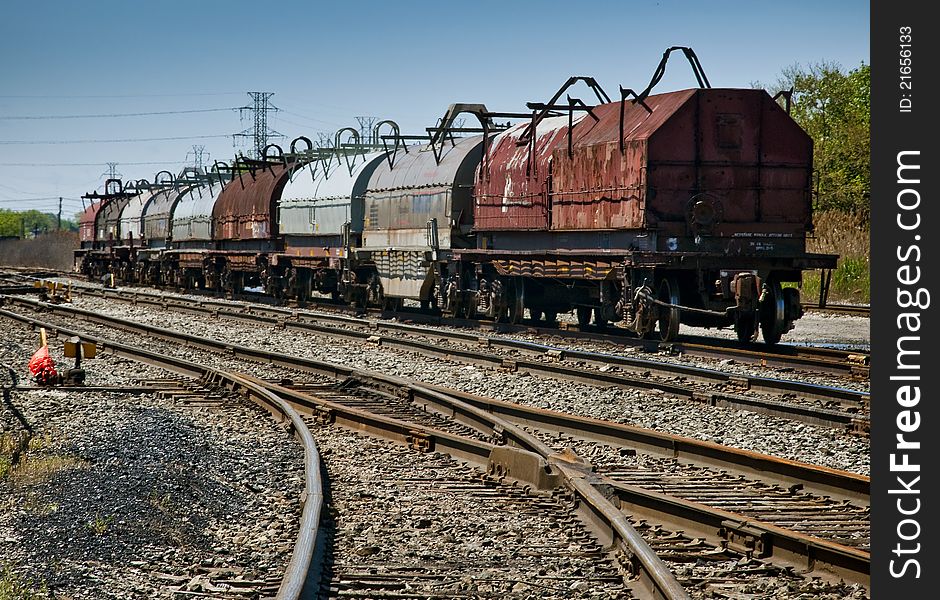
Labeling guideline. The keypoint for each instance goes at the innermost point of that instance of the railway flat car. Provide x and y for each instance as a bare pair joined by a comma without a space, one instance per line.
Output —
687,207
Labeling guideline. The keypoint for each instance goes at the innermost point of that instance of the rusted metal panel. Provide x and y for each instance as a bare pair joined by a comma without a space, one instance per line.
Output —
603,188
416,188
786,175
750,162
699,162
512,193
86,222
192,218
600,186
323,196
247,207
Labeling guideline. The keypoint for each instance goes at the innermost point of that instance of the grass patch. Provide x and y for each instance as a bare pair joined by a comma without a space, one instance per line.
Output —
23,460
15,587
10,447
849,236
33,470
100,524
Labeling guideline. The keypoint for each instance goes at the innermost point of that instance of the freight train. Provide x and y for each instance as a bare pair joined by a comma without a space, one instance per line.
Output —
649,211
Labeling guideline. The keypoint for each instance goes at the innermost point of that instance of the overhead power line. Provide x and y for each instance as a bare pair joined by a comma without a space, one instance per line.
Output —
15,200
97,164
125,95
113,115
120,141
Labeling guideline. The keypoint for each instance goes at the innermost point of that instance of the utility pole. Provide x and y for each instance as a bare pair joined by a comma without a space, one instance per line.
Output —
58,224
259,133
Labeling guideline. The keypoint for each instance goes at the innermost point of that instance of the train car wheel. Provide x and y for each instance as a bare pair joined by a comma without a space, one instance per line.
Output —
535,314
516,302
668,317
773,313
599,321
551,317
584,315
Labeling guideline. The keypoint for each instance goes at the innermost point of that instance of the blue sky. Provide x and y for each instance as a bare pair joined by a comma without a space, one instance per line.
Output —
328,62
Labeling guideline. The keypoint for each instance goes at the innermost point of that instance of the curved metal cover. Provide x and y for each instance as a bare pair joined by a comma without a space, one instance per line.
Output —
417,168
86,222
157,213
513,193
600,187
402,200
247,206
314,203
192,219
108,221
131,222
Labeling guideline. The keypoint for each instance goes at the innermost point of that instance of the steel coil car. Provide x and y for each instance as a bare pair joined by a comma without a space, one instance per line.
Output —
320,214
649,211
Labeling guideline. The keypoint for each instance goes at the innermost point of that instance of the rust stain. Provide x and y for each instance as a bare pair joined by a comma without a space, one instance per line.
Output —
247,208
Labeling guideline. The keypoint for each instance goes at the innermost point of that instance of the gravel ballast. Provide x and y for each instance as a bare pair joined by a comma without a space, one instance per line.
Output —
651,409
142,496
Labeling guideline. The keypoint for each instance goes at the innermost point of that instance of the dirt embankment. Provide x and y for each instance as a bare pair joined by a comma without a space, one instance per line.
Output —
50,251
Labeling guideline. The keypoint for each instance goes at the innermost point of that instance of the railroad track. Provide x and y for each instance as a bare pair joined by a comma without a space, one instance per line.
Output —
860,310
203,389
767,485
815,404
853,363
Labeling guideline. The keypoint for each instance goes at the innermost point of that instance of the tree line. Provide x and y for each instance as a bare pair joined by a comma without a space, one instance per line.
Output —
833,105
29,222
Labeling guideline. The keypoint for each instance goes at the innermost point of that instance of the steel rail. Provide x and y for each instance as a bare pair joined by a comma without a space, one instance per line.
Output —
528,462
820,554
856,423
846,309
297,573
814,478
828,360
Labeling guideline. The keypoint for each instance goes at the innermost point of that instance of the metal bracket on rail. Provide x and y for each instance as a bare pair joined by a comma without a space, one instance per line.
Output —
322,415
741,537
420,441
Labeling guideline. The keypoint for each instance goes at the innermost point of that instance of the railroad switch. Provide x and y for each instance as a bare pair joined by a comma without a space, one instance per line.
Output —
42,366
